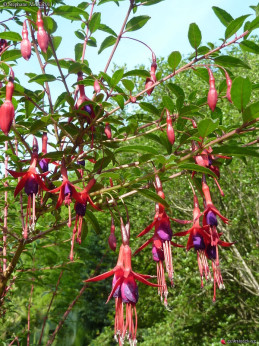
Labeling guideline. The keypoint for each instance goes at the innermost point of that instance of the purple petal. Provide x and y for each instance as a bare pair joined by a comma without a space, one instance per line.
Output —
117,293
129,290
158,254
164,231
211,252
80,209
81,162
31,186
211,219
67,189
44,165
88,109
198,242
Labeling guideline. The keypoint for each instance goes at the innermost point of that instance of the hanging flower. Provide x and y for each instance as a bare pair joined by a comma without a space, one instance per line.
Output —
30,181
125,292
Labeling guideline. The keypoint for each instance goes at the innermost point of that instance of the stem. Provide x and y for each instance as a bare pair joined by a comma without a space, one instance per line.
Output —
59,68
5,210
119,37
134,39
87,30
51,301
29,316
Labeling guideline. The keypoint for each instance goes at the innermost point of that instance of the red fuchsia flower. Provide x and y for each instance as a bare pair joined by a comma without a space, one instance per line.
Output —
211,250
208,203
7,108
197,239
125,292
42,36
30,181
25,44
161,243
67,191
80,207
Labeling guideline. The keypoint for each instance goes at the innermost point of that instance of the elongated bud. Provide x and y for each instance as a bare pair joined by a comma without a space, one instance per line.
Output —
108,131
149,83
212,95
97,87
112,239
158,184
42,36
35,147
229,85
7,109
170,129
44,142
25,44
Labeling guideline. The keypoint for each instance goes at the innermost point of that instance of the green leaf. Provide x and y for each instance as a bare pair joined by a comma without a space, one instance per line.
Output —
95,22
107,42
137,149
107,29
120,100
235,151
194,35
207,126
241,92
153,196
149,108
197,168
10,35
222,15
116,77
168,103
128,84
251,112
202,73
176,89
80,35
136,23
69,12
249,46
230,61
38,125
10,55
78,51
93,220
50,25
151,2
254,24
235,25
42,78
174,59
138,73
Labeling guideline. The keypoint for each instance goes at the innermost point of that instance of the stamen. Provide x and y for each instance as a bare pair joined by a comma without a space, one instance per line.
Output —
69,216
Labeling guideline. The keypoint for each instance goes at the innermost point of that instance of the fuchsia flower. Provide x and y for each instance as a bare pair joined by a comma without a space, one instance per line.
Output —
80,207
161,243
66,191
31,180
125,292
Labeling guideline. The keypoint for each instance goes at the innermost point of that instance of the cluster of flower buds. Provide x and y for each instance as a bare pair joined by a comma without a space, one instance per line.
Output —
152,79
7,108
212,94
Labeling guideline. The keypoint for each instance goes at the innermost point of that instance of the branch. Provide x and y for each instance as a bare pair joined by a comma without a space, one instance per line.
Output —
87,30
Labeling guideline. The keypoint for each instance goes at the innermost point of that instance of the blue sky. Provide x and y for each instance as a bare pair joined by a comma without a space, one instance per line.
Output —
165,32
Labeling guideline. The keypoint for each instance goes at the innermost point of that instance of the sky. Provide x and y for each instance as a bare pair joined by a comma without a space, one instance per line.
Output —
166,31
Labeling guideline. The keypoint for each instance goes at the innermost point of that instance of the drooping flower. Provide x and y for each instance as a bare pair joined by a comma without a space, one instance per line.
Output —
44,162
197,239
80,208
125,292
161,243
67,191
31,180
209,205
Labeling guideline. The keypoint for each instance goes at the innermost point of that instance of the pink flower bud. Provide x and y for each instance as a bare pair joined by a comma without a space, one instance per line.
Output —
108,131
97,87
25,44
42,36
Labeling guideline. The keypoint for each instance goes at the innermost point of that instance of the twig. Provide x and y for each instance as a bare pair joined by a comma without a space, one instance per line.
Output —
87,30
51,301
